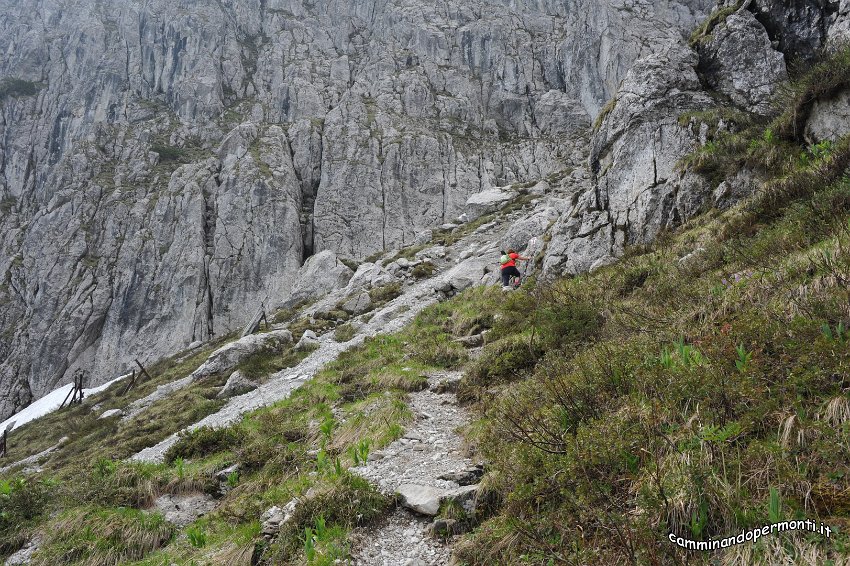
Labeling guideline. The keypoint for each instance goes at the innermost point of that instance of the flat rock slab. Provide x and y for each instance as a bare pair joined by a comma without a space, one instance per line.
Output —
181,510
421,498
111,413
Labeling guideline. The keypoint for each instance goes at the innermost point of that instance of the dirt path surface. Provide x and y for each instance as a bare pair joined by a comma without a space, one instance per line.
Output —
429,449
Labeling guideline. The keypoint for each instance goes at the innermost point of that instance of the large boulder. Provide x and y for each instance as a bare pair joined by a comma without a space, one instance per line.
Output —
462,276
829,119
739,61
521,233
229,356
423,499
426,500
182,510
367,276
557,113
308,341
237,384
799,27
357,304
321,274
488,201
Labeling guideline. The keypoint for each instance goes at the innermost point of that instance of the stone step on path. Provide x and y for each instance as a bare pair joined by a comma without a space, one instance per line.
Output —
431,447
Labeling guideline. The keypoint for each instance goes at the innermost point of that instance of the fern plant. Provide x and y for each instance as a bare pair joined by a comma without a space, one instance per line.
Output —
744,358
774,510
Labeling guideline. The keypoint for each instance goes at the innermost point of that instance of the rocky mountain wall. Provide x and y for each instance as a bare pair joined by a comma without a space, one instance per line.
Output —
737,61
166,166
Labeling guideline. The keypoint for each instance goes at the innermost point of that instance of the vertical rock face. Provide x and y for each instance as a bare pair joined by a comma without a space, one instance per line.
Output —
799,27
165,167
739,61
635,189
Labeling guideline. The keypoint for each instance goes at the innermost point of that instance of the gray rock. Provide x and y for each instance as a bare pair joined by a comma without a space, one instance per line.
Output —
183,177
273,518
111,413
222,475
182,510
462,276
739,61
488,201
801,27
423,238
25,554
426,500
272,515
237,384
539,189
368,276
320,274
358,304
465,477
308,341
732,190
465,496
520,233
428,253
423,499
230,355
829,119
636,190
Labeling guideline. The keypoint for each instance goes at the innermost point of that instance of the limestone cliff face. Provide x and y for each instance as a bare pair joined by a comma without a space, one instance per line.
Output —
636,189
165,167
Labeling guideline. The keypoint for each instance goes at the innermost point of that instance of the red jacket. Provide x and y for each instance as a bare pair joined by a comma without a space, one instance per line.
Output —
512,262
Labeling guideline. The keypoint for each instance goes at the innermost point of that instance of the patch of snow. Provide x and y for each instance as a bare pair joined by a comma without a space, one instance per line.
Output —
50,403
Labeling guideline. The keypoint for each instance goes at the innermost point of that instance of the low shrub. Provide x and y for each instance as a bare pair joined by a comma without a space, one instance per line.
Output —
204,441
423,270
344,333
385,294
22,502
338,500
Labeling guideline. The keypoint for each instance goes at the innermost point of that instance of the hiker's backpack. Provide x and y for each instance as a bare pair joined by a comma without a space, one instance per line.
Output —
504,259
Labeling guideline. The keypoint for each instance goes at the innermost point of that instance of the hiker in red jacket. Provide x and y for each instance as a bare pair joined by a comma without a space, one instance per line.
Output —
508,261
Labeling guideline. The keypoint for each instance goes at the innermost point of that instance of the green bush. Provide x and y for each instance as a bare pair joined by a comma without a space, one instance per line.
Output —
439,351
338,500
22,502
204,441
385,294
170,153
423,270
344,333
508,359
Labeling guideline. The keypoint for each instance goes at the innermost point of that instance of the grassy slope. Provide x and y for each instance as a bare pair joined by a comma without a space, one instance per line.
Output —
85,505
700,396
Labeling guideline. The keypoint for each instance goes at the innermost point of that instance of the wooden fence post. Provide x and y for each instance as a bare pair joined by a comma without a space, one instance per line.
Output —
142,368
130,384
